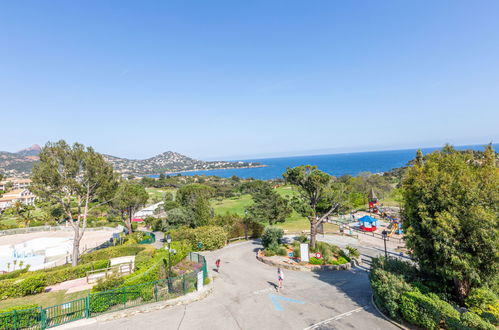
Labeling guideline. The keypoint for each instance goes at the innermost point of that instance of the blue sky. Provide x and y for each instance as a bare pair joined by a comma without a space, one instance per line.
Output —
235,79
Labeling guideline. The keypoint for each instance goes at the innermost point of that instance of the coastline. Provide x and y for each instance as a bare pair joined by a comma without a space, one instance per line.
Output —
211,169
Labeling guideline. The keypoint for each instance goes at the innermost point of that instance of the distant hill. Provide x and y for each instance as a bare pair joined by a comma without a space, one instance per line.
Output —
19,164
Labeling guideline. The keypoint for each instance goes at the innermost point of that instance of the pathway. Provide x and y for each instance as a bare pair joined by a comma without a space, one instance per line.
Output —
244,297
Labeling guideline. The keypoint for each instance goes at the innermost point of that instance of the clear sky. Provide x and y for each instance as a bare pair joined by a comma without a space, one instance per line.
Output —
232,79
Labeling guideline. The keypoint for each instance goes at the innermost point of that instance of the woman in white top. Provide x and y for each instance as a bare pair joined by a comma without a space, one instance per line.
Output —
280,278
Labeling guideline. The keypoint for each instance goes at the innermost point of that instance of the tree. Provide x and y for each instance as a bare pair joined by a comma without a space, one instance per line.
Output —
268,205
319,195
74,177
129,198
195,199
24,212
451,211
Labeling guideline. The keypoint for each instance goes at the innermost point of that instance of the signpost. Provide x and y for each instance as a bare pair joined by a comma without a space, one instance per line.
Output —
200,281
318,255
304,252
290,254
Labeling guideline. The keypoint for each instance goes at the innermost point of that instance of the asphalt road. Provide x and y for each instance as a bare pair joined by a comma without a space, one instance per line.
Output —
244,297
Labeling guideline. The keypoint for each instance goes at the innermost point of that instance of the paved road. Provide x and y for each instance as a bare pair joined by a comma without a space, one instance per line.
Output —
244,297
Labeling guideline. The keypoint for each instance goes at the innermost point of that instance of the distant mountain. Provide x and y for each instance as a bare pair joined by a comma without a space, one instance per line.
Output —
19,164
34,150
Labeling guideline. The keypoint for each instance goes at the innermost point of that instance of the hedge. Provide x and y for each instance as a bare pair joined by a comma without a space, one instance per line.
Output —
13,274
20,287
211,237
112,252
27,317
271,235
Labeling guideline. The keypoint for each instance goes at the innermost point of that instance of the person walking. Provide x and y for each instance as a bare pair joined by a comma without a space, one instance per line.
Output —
280,278
217,263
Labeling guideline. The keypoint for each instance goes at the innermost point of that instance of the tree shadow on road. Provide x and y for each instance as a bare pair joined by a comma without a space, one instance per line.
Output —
352,283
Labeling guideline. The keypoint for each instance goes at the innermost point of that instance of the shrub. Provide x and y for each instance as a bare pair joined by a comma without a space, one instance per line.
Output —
27,317
420,310
112,282
20,287
396,266
388,289
13,274
353,252
282,251
474,321
112,252
212,237
296,252
70,273
315,261
340,261
302,238
483,300
271,235
269,252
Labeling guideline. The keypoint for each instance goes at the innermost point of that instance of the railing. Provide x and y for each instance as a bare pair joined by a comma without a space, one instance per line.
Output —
150,240
104,302
16,231
95,275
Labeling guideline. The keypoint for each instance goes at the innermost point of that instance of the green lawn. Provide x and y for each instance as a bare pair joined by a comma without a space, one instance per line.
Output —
158,193
45,299
294,223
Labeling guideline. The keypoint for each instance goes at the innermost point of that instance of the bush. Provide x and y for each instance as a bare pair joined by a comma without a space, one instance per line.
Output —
483,300
340,261
212,237
13,274
388,289
474,321
24,286
282,251
112,252
353,252
420,310
271,235
397,267
315,261
296,252
110,283
70,273
269,252
27,317
302,238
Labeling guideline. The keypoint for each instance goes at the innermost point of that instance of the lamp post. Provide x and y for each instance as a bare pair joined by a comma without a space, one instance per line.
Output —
169,240
384,233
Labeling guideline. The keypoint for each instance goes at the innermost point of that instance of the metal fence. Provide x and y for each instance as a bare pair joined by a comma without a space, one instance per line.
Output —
104,302
150,240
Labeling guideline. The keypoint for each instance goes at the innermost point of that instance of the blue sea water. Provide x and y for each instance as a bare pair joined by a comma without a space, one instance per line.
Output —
334,164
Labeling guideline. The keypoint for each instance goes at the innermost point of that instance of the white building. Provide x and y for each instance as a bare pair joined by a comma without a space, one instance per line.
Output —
22,195
147,211
16,183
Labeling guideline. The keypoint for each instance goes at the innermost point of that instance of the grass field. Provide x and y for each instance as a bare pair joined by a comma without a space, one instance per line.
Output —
294,223
45,299
156,194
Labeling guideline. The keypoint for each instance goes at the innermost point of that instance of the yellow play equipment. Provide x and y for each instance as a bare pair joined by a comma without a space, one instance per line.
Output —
393,226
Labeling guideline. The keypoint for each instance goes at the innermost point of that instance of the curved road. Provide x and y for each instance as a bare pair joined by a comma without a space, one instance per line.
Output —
244,297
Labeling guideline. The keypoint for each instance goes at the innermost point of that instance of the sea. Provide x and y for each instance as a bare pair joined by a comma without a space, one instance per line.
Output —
334,164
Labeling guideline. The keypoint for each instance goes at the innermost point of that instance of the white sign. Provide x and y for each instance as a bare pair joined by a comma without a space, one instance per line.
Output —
304,252
200,280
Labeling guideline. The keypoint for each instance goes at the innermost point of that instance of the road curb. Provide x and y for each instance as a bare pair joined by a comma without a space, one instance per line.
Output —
400,326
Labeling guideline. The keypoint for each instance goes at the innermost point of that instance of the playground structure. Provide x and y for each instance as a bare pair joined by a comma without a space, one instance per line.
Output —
395,225
368,223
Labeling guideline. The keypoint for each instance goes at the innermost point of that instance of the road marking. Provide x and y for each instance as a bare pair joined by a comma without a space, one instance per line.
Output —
263,291
277,305
337,317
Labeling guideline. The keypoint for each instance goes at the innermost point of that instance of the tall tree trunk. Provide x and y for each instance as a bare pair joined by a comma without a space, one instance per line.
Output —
76,247
129,222
462,289
313,231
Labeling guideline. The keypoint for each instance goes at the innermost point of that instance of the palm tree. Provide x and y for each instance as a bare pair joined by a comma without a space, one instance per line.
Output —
21,263
15,263
8,266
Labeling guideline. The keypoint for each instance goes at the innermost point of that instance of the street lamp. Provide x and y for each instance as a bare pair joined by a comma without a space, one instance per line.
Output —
168,241
384,233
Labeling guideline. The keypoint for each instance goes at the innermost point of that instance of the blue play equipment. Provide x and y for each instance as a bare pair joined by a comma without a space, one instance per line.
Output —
368,223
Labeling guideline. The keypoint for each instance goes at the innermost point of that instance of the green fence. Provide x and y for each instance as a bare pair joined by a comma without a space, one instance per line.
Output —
150,240
104,302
